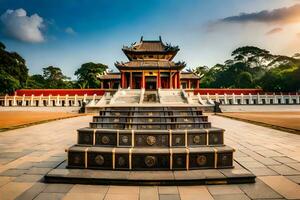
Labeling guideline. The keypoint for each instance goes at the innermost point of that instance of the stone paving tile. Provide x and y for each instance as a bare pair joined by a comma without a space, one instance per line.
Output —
123,190
295,178
284,159
89,189
81,196
194,192
263,171
168,190
28,178
232,197
12,190
148,193
38,171
58,188
284,170
224,189
283,186
46,164
110,196
169,197
50,196
13,172
25,165
32,192
259,190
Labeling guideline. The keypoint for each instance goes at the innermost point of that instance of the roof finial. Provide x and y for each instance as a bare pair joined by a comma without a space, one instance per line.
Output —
141,39
159,38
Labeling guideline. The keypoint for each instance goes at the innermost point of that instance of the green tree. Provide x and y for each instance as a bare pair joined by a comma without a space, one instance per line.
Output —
55,78
36,81
88,74
244,80
13,70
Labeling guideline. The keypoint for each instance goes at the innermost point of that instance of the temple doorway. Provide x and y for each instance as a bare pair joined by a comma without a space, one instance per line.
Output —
150,82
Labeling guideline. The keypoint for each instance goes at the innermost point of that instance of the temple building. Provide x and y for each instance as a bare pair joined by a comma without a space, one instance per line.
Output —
150,66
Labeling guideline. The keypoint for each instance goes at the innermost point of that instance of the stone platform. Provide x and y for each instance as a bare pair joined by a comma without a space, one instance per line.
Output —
27,154
112,177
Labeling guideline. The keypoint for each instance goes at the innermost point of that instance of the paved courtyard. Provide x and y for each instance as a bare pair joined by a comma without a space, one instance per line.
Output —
27,154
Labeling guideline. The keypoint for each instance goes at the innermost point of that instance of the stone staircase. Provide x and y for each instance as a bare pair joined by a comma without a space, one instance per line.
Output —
174,96
150,138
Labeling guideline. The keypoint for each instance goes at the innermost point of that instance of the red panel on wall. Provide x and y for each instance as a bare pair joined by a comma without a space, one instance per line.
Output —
61,92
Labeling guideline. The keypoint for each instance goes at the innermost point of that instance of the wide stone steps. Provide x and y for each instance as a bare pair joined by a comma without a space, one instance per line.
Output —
151,138
150,159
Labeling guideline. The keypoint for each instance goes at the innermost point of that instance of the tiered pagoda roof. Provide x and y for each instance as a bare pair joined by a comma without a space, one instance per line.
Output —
154,49
150,54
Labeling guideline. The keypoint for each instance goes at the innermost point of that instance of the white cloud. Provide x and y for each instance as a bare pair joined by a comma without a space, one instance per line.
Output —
17,25
70,31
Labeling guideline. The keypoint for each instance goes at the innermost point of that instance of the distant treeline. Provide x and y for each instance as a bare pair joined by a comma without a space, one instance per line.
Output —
250,67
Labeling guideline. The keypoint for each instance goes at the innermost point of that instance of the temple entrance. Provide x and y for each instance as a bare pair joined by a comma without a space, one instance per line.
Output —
150,82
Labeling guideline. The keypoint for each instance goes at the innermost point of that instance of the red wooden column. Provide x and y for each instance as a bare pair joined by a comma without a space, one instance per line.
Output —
130,84
175,81
158,80
198,82
171,81
143,80
178,80
122,79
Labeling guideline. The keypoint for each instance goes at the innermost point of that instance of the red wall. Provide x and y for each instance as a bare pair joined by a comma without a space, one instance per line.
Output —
61,92
230,91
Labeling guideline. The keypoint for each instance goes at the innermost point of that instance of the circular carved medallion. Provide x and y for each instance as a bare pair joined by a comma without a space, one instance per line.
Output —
201,160
151,140
224,158
121,161
150,161
77,159
99,160
197,139
105,139
124,139
177,140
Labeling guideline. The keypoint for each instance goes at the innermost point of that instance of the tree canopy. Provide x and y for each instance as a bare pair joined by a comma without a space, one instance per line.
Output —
252,67
88,74
13,71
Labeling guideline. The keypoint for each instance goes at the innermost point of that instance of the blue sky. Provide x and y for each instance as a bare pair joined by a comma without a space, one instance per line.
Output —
68,33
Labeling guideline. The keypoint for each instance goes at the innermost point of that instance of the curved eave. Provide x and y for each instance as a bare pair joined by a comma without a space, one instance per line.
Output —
124,67
138,52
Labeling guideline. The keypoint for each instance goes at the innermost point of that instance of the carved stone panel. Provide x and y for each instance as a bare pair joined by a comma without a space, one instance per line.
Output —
85,137
145,140
201,160
76,159
99,160
179,161
178,140
197,139
125,140
106,139
122,161
153,161
225,159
